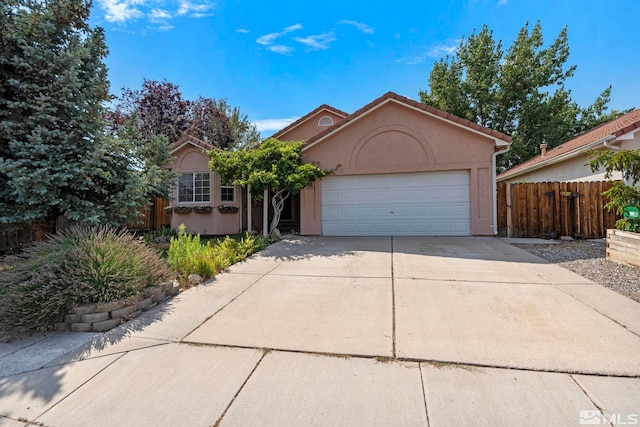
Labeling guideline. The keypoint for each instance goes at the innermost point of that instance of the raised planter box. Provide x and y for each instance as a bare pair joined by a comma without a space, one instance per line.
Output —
103,317
624,247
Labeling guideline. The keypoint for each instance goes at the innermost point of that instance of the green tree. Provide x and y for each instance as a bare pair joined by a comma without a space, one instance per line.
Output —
134,172
161,110
520,92
621,194
56,157
54,84
274,165
222,125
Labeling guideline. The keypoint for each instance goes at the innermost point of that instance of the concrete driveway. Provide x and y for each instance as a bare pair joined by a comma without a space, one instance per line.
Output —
356,331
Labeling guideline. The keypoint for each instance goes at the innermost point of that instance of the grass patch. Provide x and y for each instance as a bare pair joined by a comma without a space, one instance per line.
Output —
189,255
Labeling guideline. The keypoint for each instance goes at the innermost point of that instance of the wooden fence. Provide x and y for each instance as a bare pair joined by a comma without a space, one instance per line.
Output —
13,237
554,209
154,217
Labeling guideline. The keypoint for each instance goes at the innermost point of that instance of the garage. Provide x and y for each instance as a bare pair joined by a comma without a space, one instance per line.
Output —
399,204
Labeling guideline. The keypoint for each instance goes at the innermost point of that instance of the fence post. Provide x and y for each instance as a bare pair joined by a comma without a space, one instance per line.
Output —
509,210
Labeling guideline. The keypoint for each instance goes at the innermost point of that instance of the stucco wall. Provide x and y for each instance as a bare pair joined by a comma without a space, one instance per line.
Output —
190,159
310,127
395,138
574,169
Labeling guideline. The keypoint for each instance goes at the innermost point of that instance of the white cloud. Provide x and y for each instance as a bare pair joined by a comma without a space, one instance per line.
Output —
195,10
121,11
273,124
159,15
292,28
281,49
242,30
320,41
156,11
268,39
360,26
444,49
438,51
165,27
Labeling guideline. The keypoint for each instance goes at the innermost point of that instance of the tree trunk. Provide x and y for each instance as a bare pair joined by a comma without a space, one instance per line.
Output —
278,204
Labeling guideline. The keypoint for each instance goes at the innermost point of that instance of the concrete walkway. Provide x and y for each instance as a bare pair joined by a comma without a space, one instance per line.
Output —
349,332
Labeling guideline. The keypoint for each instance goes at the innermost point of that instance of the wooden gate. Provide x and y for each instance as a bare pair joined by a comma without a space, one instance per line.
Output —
554,209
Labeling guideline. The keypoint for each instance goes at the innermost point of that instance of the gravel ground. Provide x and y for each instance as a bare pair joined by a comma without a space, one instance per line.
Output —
587,258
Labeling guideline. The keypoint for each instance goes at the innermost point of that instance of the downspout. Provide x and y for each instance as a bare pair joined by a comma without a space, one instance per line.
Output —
495,187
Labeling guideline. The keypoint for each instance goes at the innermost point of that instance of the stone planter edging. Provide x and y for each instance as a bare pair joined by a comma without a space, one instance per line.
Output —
105,316
623,247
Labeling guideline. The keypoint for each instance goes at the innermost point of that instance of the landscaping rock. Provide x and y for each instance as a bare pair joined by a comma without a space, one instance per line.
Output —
587,258
195,279
123,312
94,317
145,304
275,234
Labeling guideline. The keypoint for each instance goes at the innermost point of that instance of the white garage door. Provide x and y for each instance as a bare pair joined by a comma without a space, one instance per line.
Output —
411,204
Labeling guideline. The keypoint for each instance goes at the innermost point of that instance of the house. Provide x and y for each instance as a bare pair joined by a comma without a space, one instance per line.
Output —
403,168
568,162
200,201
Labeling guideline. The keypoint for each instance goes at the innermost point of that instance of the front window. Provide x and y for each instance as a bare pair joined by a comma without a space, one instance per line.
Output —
194,187
227,193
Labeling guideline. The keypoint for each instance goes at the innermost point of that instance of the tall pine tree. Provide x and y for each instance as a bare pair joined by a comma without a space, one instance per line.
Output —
53,87
56,158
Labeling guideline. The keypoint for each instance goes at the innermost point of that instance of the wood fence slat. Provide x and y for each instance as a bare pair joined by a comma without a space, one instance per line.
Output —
540,209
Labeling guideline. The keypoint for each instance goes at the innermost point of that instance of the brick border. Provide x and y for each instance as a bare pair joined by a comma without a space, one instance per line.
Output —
106,316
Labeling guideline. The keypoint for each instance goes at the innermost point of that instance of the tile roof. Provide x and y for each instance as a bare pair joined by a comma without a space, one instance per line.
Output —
579,143
307,117
194,141
410,102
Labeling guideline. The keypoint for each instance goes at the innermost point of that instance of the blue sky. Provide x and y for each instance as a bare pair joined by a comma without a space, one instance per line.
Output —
279,60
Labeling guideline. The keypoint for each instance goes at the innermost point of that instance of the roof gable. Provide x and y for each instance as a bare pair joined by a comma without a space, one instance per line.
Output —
191,140
579,144
500,138
316,112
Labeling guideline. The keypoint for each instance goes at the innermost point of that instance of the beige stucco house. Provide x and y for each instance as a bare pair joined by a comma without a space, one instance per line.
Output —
568,162
401,169
210,206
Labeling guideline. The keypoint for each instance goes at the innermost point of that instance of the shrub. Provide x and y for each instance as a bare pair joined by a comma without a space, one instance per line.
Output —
81,265
621,195
187,255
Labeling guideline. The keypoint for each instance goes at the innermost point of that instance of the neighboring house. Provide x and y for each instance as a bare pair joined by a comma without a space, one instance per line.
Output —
403,168
200,189
569,161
